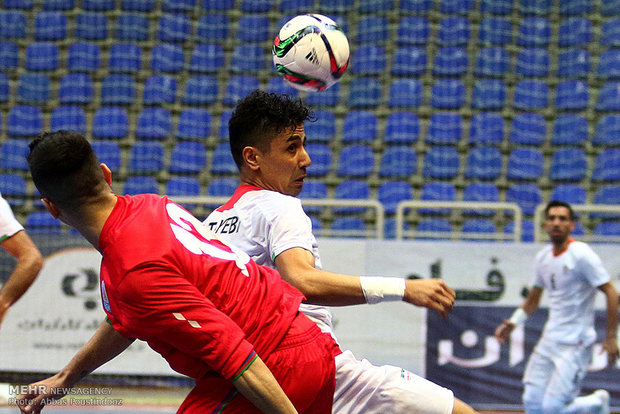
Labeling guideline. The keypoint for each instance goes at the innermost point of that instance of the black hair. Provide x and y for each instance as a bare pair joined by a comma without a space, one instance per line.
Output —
557,203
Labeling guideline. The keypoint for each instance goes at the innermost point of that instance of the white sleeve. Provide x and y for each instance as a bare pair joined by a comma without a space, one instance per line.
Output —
289,229
8,223
591,267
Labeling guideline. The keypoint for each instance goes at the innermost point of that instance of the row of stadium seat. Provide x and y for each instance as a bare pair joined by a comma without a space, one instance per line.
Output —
410,30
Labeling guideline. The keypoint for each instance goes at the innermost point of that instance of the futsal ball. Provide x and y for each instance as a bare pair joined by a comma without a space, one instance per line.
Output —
311,52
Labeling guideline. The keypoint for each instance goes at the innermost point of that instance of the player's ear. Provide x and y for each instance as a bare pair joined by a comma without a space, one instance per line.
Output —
51,207
250,157
107,173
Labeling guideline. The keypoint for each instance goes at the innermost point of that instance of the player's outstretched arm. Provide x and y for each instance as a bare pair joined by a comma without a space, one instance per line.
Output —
258,385
104,345
611,339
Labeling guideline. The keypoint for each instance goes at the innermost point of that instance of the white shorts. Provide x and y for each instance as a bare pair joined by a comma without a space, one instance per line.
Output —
364,388
558,369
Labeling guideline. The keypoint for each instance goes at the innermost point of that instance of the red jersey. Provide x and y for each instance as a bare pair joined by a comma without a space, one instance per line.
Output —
204,306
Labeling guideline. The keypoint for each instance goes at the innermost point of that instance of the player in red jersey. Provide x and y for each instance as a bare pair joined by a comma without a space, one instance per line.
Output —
209,310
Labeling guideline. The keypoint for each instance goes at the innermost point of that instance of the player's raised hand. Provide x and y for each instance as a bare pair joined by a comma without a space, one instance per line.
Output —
433,294
41,393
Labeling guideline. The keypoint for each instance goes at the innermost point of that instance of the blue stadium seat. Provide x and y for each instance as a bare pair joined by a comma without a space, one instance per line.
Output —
223,162
217,4
607,229
477,227
91,26
48,25
223,127
98,5
336,6
351,190
609,97
525,164
4,87
239,86
146,157
610,33
159,89
9,57
207,58
527,195
183,186
18,4
368,60
13,25
167,58
609,64
437,191
350,227
256,6
132,27
42,222
364,92
137,184
328,97
415,6
111,123
323,128
278,85
607,165
535,7
295,7
448,94
574,63
222,186
575,31
13,154
441,163
356,161
489,94
125,58
118,89
25,121
528,129
212,27
453,31
194,124
389,231
153,123
568,164
570,130
501,7
409,61
33,88
248,58
108,153
42,56
445,128
405,93
607,131
13,189
253,28
393,192
83,57
569,193
359,126
68,117
576,7
480,192
321,156
486,128
188,157
402,128
495,31
413,30
534,32
483,163
398,162
200,90
532,62
450,61
606,194
527,230
372,30
433,228
178,6
531,95
610,8
571,95
174,28
374,6
456,6
313,189
492,61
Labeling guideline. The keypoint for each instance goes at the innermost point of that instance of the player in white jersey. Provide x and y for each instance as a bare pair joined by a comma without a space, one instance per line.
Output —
264,219
14,240
572,273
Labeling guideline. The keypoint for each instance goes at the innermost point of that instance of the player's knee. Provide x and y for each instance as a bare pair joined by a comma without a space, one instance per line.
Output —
552,405
533,399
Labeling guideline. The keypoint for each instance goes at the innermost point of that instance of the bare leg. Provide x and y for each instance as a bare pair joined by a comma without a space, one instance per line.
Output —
461,408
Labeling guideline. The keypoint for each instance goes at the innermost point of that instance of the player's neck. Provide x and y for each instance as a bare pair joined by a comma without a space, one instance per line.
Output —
560,247
90,221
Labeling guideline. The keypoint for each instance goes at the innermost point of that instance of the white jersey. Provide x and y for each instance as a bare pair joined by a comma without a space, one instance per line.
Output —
571,278
8,223
265,223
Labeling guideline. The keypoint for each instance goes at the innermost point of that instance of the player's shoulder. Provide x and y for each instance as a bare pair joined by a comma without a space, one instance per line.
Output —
579,248
274,202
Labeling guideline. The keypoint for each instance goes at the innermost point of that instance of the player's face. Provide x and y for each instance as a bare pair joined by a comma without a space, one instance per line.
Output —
559,224
283,169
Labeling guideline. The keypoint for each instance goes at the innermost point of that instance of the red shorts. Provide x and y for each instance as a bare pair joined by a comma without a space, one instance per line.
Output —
303,363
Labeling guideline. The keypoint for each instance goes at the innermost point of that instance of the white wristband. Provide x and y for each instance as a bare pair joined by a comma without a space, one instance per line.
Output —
518,316
379,289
